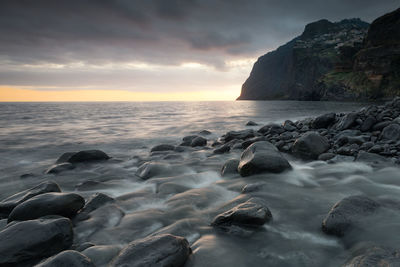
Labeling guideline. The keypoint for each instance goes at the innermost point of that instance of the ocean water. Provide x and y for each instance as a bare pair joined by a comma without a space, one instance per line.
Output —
184,198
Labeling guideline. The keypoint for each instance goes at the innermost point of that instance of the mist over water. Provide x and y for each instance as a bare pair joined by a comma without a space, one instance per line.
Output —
190,192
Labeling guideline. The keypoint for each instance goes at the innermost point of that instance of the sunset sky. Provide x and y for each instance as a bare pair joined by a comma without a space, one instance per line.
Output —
149,50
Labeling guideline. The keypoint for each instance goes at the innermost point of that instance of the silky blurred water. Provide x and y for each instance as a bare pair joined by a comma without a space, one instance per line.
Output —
189,192
34,133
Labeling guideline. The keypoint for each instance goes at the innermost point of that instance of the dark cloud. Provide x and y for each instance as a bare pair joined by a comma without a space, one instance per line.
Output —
165,32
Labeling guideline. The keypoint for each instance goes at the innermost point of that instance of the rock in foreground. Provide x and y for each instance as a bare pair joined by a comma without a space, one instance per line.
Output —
348,213
249,213
68,258
63,204
161,250
8,204
261,157
34,240
310,145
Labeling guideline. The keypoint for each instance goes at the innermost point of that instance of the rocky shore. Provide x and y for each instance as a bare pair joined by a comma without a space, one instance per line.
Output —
44,226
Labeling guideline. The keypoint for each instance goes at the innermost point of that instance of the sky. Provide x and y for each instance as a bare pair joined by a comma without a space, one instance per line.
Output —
149,50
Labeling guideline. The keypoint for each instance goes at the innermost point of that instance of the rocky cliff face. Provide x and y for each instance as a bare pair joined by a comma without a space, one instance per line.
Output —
331,61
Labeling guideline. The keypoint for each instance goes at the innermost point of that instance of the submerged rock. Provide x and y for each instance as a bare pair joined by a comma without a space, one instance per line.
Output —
83,156
198,141
310,145
151,169
8,204
55,169
34,240
63,204
249,213
161,250
348,213
96,201
162,147
261,157
70,258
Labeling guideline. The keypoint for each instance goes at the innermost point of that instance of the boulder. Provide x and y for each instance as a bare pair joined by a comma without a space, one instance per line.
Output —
368,123
150,169
370,158
324,121
391,132
160,250
347,121
63,204
222,149
249,213
241,135
8,204
380,125
230,167
261,157
198,141
187,140
162,147
34,240
347,214
67,258
57,168
310,145
83,156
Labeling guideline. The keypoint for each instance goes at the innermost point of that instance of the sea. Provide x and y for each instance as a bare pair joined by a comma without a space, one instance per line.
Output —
184,199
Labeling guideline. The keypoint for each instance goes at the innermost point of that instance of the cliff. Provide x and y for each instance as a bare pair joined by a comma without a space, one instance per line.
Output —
345,60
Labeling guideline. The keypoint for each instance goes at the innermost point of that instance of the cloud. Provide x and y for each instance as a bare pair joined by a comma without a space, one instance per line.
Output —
156,32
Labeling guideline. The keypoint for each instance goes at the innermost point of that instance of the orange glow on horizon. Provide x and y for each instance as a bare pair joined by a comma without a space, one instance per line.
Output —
10,94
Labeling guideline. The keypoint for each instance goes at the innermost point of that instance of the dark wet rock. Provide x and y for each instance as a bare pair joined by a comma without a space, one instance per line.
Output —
34,240
96,201
324,121
391,132
205,132
379,126
83,156
101,255
368,123
8,204
187,140
63,204
376,256
198,141
289,126
55,169
310,145
347,121
261,157
161,250
67,258
326,156
366,146
271,129
151,169
251,123
347,214
341,158
65,157
250,214
222,149
230,167
240,135
162,147
376,149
